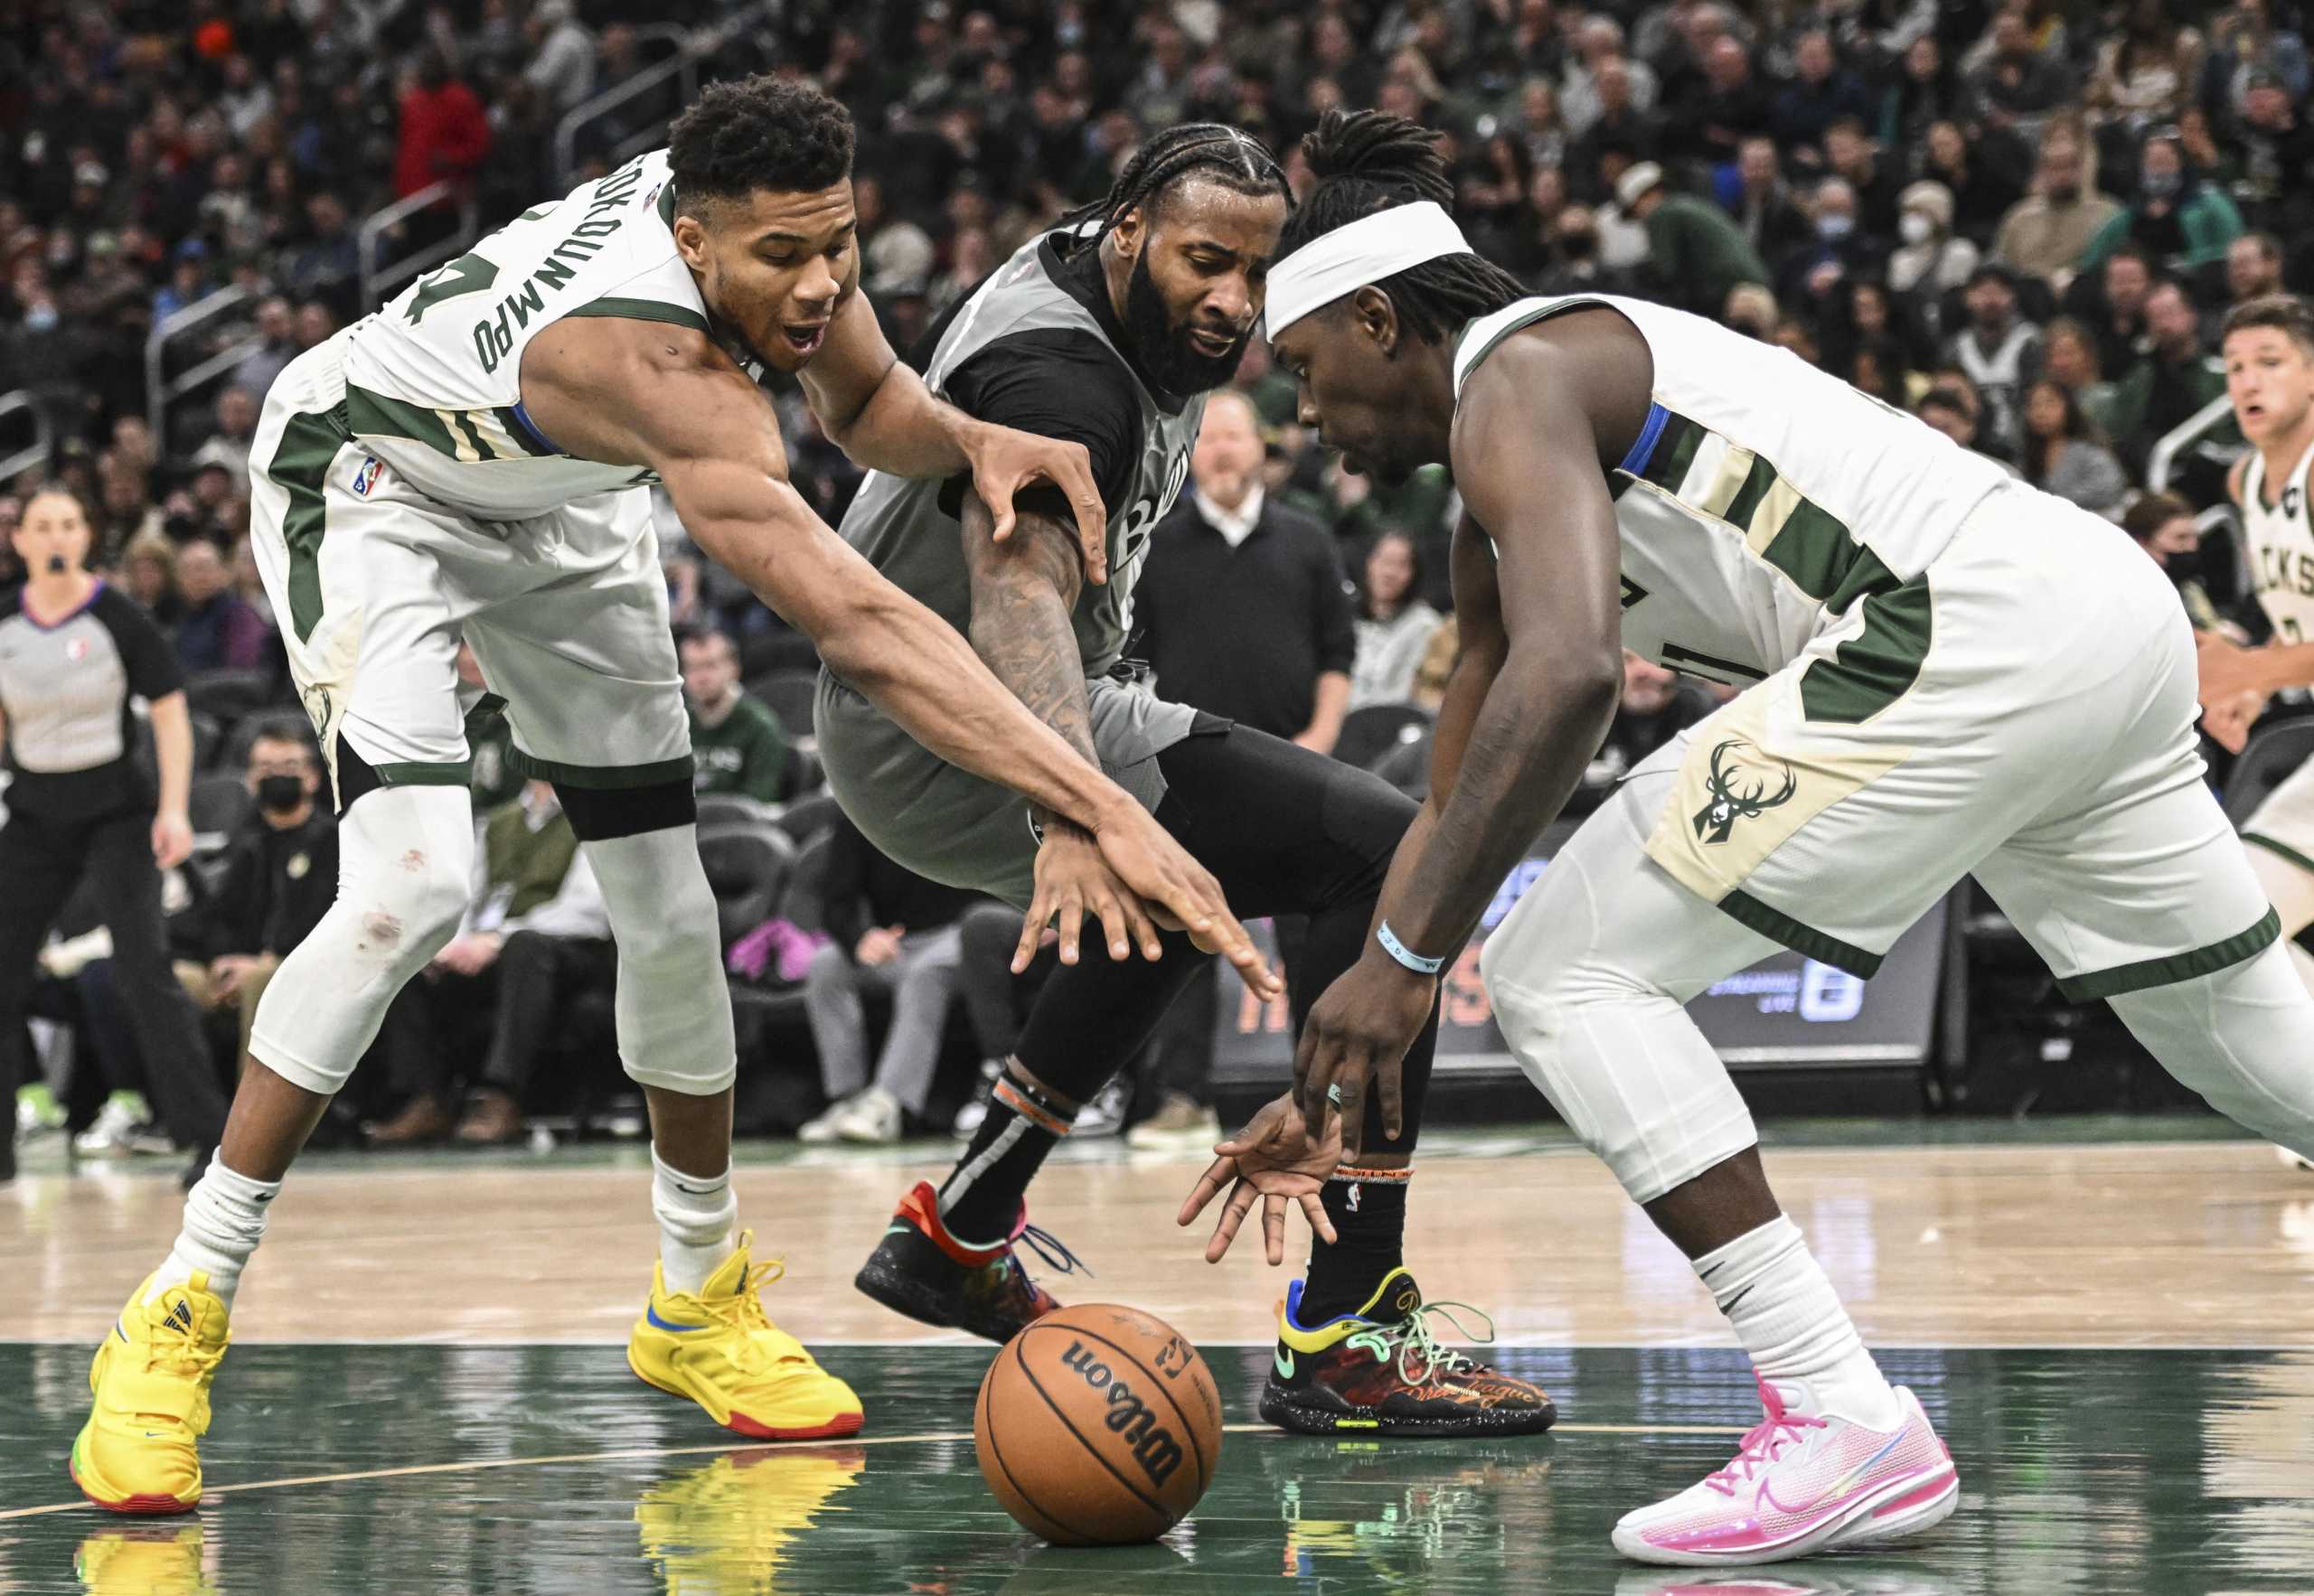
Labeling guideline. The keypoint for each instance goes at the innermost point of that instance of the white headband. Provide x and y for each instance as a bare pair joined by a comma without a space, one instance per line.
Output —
1347,258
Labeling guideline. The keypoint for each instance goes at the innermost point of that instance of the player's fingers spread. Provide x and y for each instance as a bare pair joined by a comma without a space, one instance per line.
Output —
1233,1215
1274,1228
1314,1209
1208,1186
1141,928
1113,926
1072,924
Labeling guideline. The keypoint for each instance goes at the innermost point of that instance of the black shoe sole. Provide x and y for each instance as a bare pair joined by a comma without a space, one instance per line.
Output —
889,1278
1291,1411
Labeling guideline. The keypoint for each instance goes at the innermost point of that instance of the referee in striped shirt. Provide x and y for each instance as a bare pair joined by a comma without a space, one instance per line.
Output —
72,654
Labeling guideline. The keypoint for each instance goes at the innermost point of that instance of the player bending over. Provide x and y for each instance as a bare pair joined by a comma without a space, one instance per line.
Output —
1950,672
469,461
1110,330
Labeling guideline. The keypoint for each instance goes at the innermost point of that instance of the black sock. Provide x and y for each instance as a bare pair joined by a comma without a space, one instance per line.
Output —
1368,1210
982,1196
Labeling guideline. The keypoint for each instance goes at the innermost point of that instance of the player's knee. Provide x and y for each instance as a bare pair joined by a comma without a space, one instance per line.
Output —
681,934
410,911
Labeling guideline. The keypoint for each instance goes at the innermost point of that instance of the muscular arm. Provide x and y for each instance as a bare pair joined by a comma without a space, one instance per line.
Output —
881,415
645,394
1535,689
876,409
1024,591
1481,647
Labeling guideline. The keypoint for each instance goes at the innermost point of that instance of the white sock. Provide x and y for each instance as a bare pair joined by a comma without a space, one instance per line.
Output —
224,1217
1786,1313
698,1218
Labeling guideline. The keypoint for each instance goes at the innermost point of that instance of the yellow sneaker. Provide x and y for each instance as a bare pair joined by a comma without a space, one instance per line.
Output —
144,1559
139,1452
728,1527
722,1350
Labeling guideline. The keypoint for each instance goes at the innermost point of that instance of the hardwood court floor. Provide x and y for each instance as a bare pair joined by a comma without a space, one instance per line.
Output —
2114,1336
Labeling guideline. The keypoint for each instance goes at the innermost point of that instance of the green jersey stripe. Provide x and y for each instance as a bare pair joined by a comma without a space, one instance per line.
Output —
516,428
369,414
1873,669
300,463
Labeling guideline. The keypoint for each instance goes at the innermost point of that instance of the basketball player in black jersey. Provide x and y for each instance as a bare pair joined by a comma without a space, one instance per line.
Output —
1108,331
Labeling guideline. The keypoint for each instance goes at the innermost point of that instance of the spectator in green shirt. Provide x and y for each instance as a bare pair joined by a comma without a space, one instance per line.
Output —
736,742
1695,252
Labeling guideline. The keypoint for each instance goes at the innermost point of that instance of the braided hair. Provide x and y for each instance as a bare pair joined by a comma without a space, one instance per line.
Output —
1214,150
1369,161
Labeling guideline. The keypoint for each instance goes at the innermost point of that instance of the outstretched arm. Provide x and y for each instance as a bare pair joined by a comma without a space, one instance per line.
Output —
1024,592
645,394
880,414
1532,697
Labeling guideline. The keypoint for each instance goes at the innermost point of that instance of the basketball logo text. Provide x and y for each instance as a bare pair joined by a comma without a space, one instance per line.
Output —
1153,1446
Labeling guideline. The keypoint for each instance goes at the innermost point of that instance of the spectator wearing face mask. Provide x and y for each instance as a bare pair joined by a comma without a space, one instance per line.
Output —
2163,525
280,877
1931,259
2178,218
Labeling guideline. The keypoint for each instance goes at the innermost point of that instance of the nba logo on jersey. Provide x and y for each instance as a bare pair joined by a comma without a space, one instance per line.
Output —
76,649
367,478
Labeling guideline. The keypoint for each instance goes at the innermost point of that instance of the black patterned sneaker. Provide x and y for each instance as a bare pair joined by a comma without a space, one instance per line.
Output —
921,1271
1380,1371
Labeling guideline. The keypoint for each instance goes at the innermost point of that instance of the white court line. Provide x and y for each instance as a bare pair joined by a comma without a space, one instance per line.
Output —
629,1453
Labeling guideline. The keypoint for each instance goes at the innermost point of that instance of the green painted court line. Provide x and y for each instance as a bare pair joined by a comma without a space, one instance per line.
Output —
630,1453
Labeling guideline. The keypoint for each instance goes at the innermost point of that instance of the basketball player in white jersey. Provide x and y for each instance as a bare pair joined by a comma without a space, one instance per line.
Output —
470,462
2268,346
1945,671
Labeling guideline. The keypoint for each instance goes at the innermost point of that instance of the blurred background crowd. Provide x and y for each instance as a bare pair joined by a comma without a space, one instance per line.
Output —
2020,220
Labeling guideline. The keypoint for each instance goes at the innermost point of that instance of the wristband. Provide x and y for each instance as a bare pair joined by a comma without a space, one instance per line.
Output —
1404,955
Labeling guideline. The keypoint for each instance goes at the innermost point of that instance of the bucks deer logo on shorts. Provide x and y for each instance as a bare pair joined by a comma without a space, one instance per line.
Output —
1739,788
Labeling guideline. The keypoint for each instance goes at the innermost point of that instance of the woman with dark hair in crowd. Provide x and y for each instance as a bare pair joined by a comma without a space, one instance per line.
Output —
2069,357
73,651
1394,625
2063,453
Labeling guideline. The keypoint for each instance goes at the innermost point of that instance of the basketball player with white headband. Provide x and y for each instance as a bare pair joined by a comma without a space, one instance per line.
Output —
1944,671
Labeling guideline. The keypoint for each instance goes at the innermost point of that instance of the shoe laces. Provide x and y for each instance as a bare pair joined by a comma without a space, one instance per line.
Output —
1763,1444
743,1311
1053,1251
1412,1341
182,1356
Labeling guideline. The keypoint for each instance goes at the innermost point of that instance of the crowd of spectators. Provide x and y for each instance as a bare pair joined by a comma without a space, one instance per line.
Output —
2020,219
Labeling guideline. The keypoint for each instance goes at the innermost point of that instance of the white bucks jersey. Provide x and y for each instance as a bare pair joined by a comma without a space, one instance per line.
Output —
2280,542
901,526
1763,497
433,380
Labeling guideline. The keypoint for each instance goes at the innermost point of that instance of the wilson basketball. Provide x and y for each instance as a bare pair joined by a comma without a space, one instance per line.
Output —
1098,1426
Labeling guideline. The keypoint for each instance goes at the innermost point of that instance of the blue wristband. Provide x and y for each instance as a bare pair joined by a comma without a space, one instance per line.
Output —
1404,955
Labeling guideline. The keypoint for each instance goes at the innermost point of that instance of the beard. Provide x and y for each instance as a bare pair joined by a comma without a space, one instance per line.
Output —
1164,350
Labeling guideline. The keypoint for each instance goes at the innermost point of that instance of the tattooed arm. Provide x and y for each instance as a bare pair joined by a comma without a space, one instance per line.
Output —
1024,591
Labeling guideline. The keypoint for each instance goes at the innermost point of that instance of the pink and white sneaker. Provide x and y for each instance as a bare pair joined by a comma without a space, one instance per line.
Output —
1798,1486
